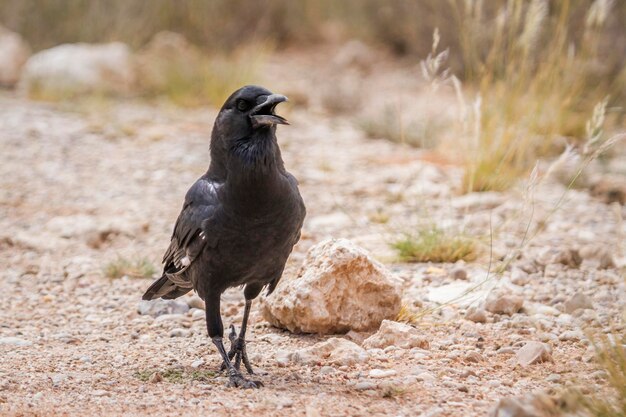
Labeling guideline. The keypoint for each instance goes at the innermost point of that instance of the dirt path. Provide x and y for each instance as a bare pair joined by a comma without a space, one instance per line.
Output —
80,187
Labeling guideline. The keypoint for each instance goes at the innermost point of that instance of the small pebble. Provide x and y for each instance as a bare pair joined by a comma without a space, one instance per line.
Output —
381,373
364,385
327,370
178,332
197,363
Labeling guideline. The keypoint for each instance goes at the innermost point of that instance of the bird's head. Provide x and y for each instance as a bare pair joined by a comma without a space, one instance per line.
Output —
245,128
249,113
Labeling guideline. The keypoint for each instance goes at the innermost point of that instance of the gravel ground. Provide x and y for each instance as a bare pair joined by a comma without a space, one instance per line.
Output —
82,185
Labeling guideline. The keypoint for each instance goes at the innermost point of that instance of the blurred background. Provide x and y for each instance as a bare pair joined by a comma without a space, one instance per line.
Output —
465,144
539,67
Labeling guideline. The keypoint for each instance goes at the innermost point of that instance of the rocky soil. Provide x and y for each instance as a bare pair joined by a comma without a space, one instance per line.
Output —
82,184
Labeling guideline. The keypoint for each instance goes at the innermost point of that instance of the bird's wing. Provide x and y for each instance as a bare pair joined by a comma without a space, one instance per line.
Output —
189,238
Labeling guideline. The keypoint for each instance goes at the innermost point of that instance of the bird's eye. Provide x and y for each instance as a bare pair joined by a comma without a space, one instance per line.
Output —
242,105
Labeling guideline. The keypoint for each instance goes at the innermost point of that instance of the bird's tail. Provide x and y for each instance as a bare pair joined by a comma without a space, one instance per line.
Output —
164,288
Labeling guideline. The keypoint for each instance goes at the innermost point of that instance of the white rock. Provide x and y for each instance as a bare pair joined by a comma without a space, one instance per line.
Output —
571,336
541,309
565,256
58,379
160,307
519,276
197,363
195,302
14,52
499,302
79,68
334,351
339,288
512,407
577,301
534,352
178,332
327,370
426,376
334,221
14,341
167,318
364,385
476,314
460,293
392,333
381,373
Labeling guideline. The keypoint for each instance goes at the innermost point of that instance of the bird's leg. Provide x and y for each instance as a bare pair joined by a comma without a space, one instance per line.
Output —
216,331
238,344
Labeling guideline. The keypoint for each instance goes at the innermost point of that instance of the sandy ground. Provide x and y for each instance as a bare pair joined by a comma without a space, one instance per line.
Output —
84,184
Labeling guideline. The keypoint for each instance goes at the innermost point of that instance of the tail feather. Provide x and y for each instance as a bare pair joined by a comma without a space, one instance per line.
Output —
164,288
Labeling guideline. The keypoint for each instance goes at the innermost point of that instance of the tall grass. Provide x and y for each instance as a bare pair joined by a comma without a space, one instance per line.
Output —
532,81
611,357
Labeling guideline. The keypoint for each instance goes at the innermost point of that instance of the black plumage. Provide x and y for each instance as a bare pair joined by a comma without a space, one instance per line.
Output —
239,221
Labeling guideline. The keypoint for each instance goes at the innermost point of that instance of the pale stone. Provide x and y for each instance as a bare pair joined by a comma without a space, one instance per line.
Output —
577,301
499,302
534,352
476,314
334,351
14,52
339,288
392,333
71,69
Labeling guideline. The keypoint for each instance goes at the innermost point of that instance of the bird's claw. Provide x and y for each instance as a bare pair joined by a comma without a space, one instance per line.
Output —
238,381
238,352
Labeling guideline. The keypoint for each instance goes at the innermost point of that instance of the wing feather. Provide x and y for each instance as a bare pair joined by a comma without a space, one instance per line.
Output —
189,238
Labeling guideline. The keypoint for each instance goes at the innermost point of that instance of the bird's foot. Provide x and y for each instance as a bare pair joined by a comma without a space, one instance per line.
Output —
237,351
238,381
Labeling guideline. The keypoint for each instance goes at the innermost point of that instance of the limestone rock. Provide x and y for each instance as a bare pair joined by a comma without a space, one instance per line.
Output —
499,302
577,301
534,352
195,302
397,334
14,52
599,255
14,341
476,314
334,351
533,405
568,257
160,307
72,69
339,288
511,407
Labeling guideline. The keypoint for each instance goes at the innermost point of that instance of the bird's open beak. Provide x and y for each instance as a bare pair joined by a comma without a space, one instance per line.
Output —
263,114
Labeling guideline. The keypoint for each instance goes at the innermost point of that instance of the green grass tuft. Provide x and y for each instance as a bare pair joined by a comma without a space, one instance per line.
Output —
406,315
134,268
435,245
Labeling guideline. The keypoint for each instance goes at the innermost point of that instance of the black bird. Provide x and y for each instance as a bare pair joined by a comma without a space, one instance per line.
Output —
239,221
